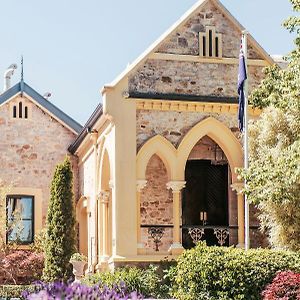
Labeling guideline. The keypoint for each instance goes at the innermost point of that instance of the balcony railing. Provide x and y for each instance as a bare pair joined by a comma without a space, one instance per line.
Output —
197,233
156,232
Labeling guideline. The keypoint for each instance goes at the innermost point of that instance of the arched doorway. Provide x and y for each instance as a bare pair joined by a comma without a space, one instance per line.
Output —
205,205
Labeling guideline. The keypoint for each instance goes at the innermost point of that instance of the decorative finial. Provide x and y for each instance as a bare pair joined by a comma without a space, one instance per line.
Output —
22,77
22,69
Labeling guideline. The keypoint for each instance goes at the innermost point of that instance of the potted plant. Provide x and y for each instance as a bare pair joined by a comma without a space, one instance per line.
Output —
79,262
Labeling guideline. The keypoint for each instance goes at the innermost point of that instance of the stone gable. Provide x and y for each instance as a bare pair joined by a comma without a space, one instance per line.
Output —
181,76
31,148
186,39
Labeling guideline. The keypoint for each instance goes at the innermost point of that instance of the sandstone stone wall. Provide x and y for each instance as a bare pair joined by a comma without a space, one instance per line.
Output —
156,203
190,78
31,148
186,39
195,78
174,125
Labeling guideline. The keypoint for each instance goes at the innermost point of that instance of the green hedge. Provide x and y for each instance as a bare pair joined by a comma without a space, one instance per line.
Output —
219,273
150,282
13,291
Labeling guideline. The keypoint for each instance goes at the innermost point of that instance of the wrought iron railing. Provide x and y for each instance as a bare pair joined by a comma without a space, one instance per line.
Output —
196,232
156,232
221,233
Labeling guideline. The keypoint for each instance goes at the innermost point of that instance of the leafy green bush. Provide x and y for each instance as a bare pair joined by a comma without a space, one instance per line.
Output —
13,291
219,273
149,282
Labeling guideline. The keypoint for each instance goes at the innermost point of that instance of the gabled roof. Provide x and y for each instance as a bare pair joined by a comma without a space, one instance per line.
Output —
154,47
59,115
98,112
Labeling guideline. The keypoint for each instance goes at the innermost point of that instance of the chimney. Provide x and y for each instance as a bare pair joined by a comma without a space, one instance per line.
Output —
7,76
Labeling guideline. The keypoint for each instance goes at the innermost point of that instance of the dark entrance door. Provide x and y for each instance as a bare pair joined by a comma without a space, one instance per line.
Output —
206,191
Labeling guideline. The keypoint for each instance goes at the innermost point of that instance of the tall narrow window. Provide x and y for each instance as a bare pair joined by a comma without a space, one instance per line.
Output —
20,219
26,112
210,43
20,109
14,111
217,46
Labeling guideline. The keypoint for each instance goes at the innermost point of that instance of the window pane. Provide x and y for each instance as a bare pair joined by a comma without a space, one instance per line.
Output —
26,207
20,219
22,232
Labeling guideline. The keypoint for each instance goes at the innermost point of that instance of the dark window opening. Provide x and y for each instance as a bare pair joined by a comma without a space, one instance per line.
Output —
210,43
26,112
204,45
14,111
20,219
217,47
20,109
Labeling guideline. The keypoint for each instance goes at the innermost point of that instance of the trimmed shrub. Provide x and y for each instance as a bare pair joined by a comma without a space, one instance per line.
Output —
219,273
77,291
286,285
149,282
60,234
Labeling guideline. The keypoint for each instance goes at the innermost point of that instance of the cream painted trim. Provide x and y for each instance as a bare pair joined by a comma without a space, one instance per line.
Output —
204,59
169,105
143,258
104,122
81,205
164,149
38,204
172,30
175,159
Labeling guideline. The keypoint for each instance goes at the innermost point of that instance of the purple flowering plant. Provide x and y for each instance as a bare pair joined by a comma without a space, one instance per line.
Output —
66,291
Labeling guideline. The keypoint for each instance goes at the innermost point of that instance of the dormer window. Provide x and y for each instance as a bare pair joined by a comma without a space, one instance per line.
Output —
20,110
210,43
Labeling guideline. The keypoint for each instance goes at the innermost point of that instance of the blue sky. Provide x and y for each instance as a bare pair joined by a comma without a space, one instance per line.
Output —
72,48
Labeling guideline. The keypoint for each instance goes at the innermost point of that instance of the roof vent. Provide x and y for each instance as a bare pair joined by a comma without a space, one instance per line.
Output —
47,95
7,76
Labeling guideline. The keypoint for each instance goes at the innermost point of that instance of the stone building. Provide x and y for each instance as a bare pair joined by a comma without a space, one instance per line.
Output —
34,138
155,164
157,161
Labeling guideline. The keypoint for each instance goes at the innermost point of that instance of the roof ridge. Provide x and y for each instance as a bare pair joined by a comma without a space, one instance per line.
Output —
41,101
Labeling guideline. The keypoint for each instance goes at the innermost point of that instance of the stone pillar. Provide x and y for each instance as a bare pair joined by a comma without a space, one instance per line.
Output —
140,184
104,230
238,187
176,186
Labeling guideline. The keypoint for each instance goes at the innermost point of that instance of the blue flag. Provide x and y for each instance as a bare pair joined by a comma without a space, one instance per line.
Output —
241,80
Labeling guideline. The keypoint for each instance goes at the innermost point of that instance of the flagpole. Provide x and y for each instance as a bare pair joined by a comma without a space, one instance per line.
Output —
246,148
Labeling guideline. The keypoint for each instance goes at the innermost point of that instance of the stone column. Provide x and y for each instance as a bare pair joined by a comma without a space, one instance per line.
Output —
176,186
140,184
104,202
238,187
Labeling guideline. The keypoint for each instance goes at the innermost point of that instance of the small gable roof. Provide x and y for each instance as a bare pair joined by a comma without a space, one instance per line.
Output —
198,5
23,88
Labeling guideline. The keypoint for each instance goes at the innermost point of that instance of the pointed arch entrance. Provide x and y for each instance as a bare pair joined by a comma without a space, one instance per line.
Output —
206,194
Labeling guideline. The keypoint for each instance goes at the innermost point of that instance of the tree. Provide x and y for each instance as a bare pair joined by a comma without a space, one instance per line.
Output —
60,234
273,178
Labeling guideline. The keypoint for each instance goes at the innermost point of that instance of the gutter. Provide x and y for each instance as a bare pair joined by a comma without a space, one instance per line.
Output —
98,112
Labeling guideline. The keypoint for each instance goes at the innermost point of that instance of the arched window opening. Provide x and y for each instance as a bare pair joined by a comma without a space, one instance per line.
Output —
14,111
20,110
